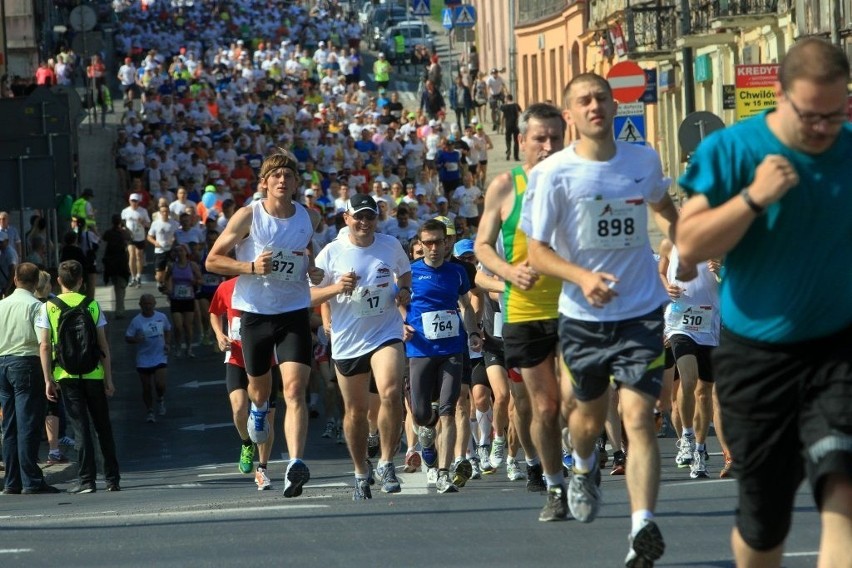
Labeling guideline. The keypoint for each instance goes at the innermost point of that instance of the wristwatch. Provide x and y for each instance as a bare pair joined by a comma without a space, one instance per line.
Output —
756,209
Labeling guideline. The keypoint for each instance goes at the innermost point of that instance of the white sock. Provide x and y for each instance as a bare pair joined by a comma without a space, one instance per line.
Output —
265,407
555,480
699,447
584,465
688,432
638,519
532,462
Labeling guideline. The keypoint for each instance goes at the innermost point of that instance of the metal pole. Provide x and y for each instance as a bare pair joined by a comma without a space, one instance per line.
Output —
513,51
688,78
835,24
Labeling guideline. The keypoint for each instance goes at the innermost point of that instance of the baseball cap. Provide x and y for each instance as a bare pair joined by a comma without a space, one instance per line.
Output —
210,189
474,120
441,199
362,83
360,202
4,236
463,247
451,227
310,193
135,197
412,115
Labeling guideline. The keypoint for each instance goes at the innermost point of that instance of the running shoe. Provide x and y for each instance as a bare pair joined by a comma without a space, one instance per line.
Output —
149,418
485,459
498,453
67,441
431,476
262,480
341,439
258,425
296,477
390,484
462,471
362,490
412,461
619,463
584,495
246,458
372,445
698,468
685,451
161,407
426,436
727,469
535,478
513,471
556,506
646,546
430,456
371,473
443,483
55,458
474,465
329,429
603,456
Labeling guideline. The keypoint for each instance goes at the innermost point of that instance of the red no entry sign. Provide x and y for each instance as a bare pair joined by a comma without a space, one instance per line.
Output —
628,81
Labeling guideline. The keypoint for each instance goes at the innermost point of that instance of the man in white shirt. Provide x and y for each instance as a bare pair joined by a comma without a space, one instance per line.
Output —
137,221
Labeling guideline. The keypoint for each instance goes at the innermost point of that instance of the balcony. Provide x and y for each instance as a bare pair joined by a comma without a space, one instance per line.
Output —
652,30
709,15
531,11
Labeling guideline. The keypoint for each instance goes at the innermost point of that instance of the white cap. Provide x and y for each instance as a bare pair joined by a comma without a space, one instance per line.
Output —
135,197
362,83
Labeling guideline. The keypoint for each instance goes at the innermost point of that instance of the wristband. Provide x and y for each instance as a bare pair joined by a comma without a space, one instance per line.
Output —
755,208
252,267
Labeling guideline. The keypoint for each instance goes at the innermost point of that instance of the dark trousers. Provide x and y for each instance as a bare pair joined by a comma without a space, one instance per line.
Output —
23,400
85,398
512,141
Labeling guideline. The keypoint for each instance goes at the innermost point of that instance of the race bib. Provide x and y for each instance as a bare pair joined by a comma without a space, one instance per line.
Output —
209,279
234,330
184,292
613,223
288,265
451,166
440,324
369,301
153,329
694,319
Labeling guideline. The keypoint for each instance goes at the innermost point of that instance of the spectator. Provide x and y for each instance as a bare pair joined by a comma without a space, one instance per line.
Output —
116,261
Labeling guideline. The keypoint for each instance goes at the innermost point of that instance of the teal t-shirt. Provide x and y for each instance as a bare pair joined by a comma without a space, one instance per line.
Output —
789,279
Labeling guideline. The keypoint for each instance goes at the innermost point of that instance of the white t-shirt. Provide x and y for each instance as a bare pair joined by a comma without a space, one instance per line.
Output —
466,198
595,215
696,313
164,233
363,320
176,207
152,351
137,222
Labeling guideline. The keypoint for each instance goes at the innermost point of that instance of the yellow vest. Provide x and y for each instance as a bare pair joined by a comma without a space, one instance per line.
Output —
72,299
79,209
381,69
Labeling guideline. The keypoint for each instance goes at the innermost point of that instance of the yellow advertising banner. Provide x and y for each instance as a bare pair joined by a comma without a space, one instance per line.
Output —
755,89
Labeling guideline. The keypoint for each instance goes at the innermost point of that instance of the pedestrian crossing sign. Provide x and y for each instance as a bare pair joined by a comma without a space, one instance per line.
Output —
421,8
447,18
465,16
630,133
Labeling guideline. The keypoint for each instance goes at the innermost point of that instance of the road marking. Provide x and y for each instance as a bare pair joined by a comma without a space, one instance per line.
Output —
793,554
196,384
325,485
15,550
697,482
203,427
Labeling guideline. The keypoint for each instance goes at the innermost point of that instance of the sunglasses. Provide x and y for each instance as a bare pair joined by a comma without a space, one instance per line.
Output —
364,216
432,243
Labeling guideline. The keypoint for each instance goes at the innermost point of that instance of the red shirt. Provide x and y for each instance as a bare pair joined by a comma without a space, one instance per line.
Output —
221,305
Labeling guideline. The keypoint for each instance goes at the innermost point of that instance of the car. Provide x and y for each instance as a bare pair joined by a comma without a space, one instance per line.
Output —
383,17
415,32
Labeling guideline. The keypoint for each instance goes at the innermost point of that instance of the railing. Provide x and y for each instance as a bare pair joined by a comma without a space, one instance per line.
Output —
533,10
651,27
704,12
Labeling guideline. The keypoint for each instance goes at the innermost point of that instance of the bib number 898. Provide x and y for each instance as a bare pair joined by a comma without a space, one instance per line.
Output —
615,227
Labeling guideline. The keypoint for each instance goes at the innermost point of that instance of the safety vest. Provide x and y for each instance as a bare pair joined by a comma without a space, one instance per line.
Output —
79,209
381,69
53,312
399,42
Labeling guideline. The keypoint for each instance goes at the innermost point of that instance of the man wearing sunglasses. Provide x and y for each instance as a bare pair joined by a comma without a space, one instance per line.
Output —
367,275
772,195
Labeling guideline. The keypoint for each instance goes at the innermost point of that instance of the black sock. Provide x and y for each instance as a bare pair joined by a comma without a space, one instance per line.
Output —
247,442
261,466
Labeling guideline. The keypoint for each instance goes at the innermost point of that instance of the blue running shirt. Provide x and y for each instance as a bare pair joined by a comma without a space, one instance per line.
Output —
434,301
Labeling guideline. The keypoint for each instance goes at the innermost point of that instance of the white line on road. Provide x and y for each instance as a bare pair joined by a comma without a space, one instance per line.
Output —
203,427
793,554
196,384
699,482
15,550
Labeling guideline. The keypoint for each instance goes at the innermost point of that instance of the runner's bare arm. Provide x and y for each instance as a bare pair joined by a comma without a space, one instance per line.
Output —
470,325
665,216
499,192
218,260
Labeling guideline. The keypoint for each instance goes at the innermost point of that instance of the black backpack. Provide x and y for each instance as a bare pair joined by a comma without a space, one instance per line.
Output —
76,350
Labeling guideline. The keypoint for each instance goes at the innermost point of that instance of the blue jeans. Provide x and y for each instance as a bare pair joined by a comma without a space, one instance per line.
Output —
23,400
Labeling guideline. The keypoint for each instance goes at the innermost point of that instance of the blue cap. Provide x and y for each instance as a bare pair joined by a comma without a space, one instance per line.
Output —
463,247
